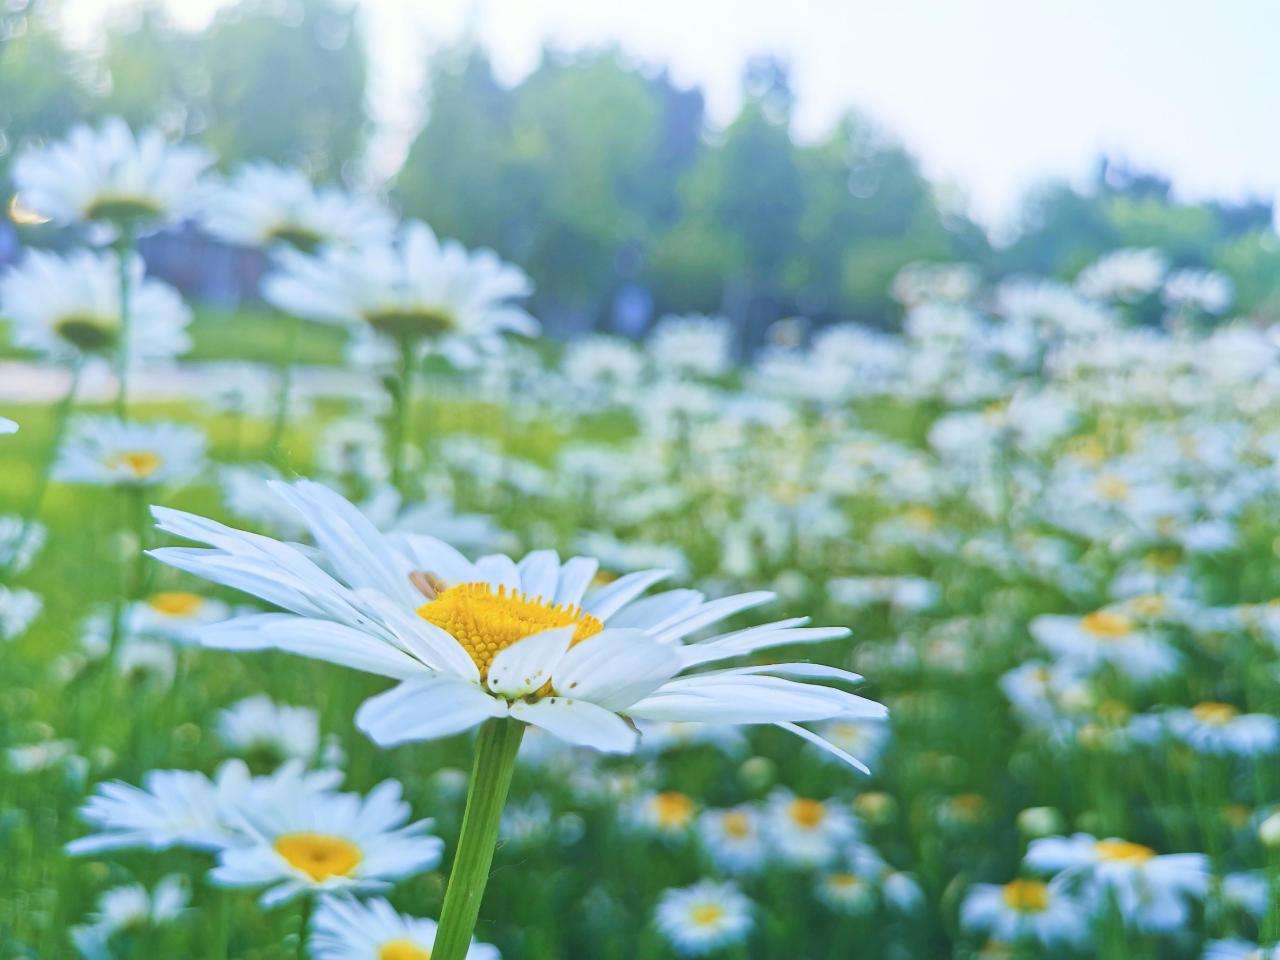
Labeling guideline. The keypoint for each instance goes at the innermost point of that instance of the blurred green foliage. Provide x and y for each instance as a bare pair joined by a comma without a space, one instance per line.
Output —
599,175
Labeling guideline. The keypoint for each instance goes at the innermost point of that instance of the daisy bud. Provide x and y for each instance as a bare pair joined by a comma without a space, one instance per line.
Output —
1269,831
757,773
1040,822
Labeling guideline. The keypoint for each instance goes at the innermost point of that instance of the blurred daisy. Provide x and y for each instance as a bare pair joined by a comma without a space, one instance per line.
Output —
865,739
693,344
411,289
804,832
1220,728
1106,637
1205,290
846,893
69,306
111,452
18,608
36,757
259,727
109,177
326,843
733,838
1150,890
173,615
347,929
1126,275
353,449
129,908
494,638
263,205
666,814
1024,909
1239,950
183,808
7,426
703,918
20,541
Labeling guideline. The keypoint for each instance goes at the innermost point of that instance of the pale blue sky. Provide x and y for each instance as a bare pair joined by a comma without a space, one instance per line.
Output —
992,94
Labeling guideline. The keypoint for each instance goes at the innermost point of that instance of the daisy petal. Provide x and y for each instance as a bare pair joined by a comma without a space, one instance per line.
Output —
580,723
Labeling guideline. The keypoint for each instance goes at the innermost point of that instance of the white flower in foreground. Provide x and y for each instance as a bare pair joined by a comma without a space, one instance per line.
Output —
412,288
128,908
326,843
263,205
7,426
258,725
110,177
705,917
348,929
111,452
1150,890
1024,908
472,641
183,808
69,306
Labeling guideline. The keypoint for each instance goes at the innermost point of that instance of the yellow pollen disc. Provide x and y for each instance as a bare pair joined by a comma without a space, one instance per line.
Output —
485,622
672,809
1111,488
1149,605
403,950
921,518
1106,624
705,914
176,603
1026,896
844,881
1122,851
1215,714
140,463
805,813
319,855
736,825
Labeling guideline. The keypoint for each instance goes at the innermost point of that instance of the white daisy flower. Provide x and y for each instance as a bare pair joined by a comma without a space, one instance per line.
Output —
1127,275
1150,890
846,893
36,757
1220,728
734,838
111,452
1239,950
473,641
18,608
263,205
130,907
354,449
1023,909
348,929
1204,290
865,739
111,178
1106,637
414,289
694,345
807,833
20,541
703,918
7,426
326,843
69,306
173,615
258,725
668,814
183,808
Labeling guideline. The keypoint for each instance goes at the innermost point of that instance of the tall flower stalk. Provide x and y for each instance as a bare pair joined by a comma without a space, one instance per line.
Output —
124,251
399,427
495,762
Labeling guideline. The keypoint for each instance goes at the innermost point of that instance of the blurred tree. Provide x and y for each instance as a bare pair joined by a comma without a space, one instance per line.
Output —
147,71
283,82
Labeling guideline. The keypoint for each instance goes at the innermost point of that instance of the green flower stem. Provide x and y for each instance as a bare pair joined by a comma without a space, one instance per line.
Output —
292,329
486,796
124,253
402,413
61,415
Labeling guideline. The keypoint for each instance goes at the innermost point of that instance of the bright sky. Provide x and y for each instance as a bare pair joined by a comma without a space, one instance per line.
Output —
993,95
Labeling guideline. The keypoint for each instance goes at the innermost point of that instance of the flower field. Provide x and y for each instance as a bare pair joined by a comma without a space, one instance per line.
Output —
952,641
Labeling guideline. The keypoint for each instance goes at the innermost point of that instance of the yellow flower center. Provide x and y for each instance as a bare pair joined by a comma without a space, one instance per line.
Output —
1106,624
485,622
706,914
1122,851
1026,896
1111,488
1216,714
921,518
140,463
88,332
295,235
176,603
319,855
122,208
672,809
736,824
807,814
411,323
403,950
844,882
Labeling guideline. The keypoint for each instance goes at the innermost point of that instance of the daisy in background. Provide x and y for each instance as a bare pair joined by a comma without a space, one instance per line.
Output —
111,178
1239,950
490,639
703,918
7,426
691,346
20,542
325,843
263,205
110,452
668,814
18,609
734,838
184,808
1106,638
1149,890
130,908
846,893
347,929
173,615
411,289
1025,909
68,307
259,727
803,832
1220,728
